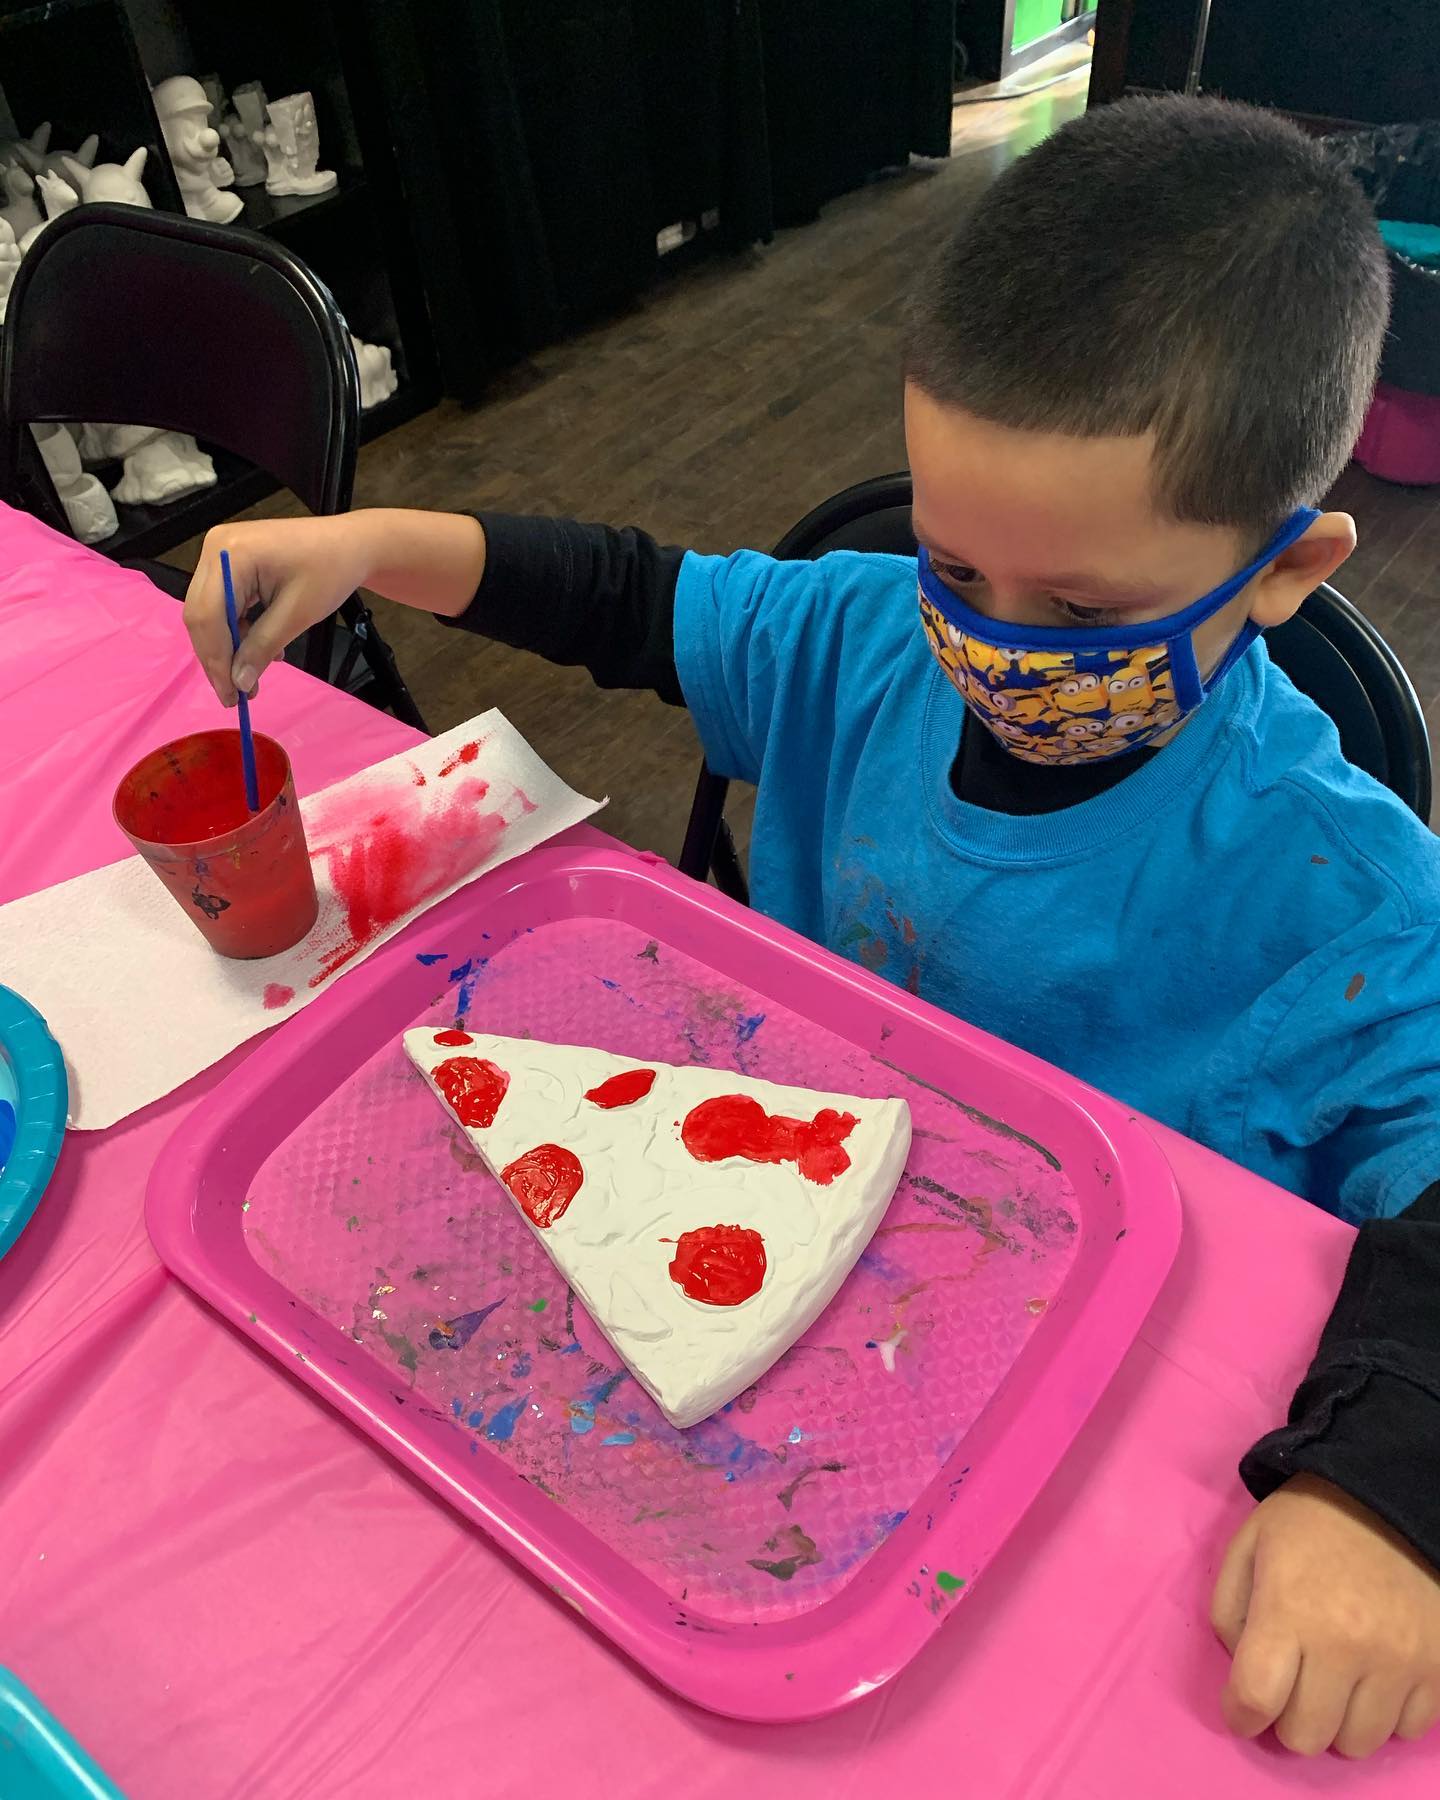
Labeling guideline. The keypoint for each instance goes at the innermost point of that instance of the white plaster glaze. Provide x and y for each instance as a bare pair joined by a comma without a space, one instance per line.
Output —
642,1185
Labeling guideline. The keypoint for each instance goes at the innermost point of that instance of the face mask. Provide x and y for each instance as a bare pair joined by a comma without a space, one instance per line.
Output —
1082,693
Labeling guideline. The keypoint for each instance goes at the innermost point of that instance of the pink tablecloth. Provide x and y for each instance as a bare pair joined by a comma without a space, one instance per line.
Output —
223,1591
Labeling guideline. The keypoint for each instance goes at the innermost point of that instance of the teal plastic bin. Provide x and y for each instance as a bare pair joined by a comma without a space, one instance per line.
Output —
39,1760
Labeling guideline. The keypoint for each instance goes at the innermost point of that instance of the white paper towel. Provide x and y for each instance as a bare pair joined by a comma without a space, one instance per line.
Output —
110,960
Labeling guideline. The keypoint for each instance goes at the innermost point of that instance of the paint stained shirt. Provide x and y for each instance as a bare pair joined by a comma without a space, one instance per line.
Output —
1241,938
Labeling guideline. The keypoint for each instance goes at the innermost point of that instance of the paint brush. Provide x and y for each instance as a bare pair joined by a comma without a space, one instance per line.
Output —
247,737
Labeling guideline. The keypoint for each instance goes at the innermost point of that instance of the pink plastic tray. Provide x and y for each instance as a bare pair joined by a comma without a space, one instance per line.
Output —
791,1554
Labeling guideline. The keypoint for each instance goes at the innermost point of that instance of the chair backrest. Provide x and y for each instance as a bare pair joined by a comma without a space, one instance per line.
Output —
127,316
1330,650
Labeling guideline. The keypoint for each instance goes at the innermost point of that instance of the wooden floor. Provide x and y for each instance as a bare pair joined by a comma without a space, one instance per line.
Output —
714,415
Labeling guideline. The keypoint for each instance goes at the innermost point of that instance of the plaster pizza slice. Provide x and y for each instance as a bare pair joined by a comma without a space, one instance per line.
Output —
704,1219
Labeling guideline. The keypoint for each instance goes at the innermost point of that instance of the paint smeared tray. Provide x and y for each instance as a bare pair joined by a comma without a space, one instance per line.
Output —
792,1553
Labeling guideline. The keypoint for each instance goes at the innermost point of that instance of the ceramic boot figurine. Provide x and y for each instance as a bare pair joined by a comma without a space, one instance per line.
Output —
292,149
159,465
183,107
378,380
119,182
87,506
241,132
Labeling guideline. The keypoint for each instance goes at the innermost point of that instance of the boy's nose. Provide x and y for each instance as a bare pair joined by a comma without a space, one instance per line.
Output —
1009,603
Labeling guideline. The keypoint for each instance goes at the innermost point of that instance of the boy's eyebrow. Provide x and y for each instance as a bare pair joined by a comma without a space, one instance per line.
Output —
1091,583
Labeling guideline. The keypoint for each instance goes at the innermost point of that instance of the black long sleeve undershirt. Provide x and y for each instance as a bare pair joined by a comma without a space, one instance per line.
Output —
603,599
1367,1416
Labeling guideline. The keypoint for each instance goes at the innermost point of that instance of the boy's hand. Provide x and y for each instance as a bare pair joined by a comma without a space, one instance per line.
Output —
1333,1622
289,574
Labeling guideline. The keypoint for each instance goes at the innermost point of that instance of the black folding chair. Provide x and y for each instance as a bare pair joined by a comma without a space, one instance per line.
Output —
1330,650
148,318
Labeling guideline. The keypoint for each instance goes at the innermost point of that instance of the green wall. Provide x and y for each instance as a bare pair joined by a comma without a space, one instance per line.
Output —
1033,18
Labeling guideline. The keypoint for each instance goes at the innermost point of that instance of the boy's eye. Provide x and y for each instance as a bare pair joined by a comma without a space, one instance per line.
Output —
960,574
1083,615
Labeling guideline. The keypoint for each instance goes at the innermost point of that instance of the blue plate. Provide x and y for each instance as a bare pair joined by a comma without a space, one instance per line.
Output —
34,1096
39,1760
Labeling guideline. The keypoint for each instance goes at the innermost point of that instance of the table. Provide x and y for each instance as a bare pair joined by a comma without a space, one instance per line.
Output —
319,1625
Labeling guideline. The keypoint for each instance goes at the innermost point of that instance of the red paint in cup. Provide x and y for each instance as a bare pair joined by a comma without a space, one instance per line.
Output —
244,879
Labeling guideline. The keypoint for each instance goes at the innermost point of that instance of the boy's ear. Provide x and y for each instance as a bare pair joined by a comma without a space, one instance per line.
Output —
1276,594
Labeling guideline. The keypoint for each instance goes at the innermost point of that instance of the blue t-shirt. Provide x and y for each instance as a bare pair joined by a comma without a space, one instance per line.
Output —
1241,939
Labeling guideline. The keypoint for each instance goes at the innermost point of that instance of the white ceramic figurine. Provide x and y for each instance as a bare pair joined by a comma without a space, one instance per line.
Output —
241,131
118,182
37,156
10,254
88,508
18,206
58,196
183,107
160,466
378,380
291,144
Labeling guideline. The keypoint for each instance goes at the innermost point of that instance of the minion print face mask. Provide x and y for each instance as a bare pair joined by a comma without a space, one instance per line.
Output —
1082,693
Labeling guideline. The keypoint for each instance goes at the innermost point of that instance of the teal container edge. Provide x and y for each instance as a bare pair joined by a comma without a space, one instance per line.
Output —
42,1099
39,1760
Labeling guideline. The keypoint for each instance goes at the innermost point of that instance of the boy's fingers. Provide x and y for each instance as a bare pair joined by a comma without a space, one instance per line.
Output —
1231,1599
1262,1680
209,633
261,643
1371,1717
1316,1709
1419,1713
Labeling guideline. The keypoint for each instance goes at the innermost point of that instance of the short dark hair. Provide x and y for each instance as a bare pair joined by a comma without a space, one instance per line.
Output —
1190,267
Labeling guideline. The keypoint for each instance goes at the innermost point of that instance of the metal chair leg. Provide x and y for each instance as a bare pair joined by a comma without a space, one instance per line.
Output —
725,861
707,814
394,696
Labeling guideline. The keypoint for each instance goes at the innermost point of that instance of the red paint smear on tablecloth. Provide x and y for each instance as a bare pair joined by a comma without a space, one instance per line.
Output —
719,1264
276,996
465,754
453,1039
395,855
736,1125
473,1088
623,1089
544,1181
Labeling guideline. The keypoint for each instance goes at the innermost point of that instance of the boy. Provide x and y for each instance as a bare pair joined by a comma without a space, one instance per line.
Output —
1111,831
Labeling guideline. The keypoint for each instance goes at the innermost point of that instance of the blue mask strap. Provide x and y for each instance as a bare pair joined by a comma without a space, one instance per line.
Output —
1174,629
1190,690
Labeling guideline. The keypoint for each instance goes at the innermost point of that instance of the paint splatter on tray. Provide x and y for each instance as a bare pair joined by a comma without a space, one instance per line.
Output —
377,1213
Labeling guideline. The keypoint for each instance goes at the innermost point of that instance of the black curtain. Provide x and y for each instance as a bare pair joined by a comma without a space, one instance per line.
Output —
543,143
852,87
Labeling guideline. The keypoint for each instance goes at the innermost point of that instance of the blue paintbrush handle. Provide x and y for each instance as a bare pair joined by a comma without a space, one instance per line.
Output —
247,737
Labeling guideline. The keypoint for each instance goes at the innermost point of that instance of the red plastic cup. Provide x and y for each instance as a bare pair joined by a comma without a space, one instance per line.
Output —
244,879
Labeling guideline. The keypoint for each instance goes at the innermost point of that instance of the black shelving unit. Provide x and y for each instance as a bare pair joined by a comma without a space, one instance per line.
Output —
88,65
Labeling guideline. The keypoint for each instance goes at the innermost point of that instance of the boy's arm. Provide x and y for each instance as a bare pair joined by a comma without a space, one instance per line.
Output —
590,595
1367,1416
1328,1598
574,593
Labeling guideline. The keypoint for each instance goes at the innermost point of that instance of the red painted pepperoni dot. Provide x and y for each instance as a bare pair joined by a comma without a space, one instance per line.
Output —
623,1089
473,1087
720,1265
544,1181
